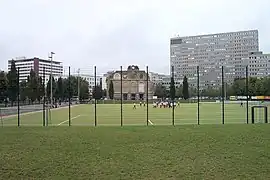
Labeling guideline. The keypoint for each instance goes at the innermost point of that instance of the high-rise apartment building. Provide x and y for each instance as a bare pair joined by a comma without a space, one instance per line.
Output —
258,64
38,65
210,52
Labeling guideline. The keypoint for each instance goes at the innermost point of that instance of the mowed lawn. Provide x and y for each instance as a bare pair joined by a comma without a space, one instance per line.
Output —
109,114
230,151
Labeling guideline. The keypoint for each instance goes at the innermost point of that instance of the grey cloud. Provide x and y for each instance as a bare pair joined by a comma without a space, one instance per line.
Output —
121,32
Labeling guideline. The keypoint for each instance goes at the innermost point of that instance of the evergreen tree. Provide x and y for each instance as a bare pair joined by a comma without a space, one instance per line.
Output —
33,86
12,91
48,88
185,88
40,89
111,90
23,91
3,86
97,92
60,89
172,89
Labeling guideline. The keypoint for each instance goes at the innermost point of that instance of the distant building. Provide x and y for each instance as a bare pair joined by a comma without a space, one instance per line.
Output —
210,52
134,84
162,79
258,65
37,65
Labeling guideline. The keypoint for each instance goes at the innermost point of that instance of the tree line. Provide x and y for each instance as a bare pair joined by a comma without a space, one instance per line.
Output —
256,87
33,88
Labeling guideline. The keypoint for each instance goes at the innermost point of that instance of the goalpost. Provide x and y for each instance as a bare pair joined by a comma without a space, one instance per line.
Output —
263,114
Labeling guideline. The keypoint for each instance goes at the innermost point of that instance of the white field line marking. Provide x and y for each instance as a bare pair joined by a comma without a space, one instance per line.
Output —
150,122
68,120
33,112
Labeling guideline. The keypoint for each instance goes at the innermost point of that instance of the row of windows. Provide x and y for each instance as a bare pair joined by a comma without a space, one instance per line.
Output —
229,35
261,57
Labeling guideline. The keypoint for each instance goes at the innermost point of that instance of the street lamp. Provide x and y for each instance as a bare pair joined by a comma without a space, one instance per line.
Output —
51,57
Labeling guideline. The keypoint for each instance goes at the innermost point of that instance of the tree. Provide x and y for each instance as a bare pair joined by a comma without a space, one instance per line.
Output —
59,89
12,83
84,89
23,91
179,91
259,90
266,86
185,88
40,89
239,87
211,92
160,91
172,89
3,86
33,86
48,88
111,90
97,92
252,82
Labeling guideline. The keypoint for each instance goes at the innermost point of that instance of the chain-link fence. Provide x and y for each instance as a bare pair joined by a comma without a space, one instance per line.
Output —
131,97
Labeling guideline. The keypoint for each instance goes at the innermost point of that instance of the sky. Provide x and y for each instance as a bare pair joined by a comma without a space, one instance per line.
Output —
111,33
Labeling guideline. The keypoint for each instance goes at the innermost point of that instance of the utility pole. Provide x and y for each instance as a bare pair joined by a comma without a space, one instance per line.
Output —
51,57
79,85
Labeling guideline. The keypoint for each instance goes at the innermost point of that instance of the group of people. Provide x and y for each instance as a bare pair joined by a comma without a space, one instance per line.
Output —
165,104
160,104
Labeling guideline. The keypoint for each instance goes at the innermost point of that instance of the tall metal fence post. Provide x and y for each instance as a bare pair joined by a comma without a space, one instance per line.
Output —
198,95
172,94
18,95
44,97
147,87
69,97
247,93
121,94
95,90
222,92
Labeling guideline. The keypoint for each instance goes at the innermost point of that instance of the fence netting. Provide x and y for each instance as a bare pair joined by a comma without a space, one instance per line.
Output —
133,96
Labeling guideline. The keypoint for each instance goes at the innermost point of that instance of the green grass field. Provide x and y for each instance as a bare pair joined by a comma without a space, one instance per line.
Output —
229,151
109,114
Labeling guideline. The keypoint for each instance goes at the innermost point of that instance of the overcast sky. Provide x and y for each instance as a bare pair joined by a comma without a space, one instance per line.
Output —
110,33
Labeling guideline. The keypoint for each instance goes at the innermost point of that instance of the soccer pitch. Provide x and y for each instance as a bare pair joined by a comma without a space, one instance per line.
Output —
109,114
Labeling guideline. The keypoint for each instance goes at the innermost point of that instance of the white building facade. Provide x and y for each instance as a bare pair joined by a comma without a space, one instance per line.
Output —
40,66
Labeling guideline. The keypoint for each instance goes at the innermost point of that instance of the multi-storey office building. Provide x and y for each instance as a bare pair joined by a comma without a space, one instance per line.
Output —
210,52
258,64
162,79
39,66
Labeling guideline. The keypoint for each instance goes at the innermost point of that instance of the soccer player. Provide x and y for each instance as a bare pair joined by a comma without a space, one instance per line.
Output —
241,104
134,106
140,103
144,104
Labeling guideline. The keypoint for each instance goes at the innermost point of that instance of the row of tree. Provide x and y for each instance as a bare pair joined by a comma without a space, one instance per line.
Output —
33,88
256,87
